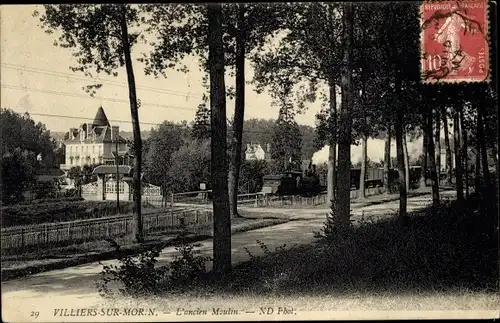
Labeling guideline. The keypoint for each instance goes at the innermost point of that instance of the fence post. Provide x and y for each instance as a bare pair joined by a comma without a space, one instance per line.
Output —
157,220
196,217
46,233
22,237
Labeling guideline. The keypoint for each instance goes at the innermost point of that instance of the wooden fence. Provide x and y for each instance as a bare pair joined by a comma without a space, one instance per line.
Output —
39,236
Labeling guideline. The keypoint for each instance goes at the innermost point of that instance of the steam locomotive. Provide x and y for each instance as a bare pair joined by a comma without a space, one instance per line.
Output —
310,183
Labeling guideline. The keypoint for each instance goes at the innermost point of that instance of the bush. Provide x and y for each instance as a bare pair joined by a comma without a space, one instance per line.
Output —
439,248
139,275
54,200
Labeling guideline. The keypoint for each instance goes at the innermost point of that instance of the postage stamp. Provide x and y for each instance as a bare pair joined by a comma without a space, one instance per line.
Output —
454,41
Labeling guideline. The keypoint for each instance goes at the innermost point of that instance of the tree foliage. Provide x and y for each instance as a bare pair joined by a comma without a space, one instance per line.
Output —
163,142
189,166
21,131
18,171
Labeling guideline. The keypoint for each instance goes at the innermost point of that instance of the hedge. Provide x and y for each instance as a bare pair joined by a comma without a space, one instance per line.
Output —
26,214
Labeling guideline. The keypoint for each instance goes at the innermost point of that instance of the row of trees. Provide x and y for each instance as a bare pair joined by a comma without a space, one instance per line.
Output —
370,51
177,156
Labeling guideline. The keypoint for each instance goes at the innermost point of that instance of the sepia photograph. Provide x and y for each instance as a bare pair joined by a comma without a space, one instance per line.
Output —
242,161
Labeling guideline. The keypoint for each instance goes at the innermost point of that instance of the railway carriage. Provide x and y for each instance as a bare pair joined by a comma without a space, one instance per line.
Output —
309,183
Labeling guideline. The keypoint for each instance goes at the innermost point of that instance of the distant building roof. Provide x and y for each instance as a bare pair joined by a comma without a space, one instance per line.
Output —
111,169
100,118
54,172
49,174
100,131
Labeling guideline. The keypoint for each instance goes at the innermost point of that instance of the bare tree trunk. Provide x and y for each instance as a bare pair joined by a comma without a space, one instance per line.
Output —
219,169
387,159
484,152
432,160
494,153
477,175
137,189
425,145
449,163
401,166
332,152
438,145
364,156
458,156
343,203
407,162
239,113
465,154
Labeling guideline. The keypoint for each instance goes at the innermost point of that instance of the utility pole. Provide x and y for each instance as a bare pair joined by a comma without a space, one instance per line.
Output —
117,177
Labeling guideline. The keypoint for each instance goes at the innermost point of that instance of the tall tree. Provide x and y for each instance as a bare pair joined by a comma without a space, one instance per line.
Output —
308,55
244,27
18,170
399,133
342,207
101,40
219,162
406,158
364,157
465,152
477,173
21,131
387,160
287,139
239,111
201,125
432,157
449,163
437,137
163,142
458,155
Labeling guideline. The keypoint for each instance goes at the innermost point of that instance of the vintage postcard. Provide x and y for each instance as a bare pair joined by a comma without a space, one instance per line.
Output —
249,161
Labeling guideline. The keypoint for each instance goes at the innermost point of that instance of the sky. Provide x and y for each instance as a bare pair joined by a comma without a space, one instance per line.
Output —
35,78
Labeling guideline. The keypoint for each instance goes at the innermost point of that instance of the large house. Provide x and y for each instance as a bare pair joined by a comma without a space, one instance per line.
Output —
256,152
95,143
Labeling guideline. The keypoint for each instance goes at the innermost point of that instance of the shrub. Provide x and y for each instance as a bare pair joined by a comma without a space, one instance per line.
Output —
139,275
331,228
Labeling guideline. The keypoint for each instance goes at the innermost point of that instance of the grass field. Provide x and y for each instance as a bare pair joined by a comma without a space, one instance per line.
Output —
442,258
49,255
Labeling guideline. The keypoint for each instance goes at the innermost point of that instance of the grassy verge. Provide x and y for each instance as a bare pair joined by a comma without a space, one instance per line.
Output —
40,261
441,258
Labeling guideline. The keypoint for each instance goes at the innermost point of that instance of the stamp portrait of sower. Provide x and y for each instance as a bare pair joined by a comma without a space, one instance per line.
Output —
454,41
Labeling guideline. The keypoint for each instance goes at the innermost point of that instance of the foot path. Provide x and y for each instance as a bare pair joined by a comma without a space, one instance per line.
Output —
75,286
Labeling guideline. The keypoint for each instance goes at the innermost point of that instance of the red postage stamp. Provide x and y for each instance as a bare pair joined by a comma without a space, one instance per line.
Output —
454,41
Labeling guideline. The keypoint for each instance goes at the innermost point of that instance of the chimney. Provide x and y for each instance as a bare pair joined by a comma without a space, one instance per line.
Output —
115,130
88,130
268,148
